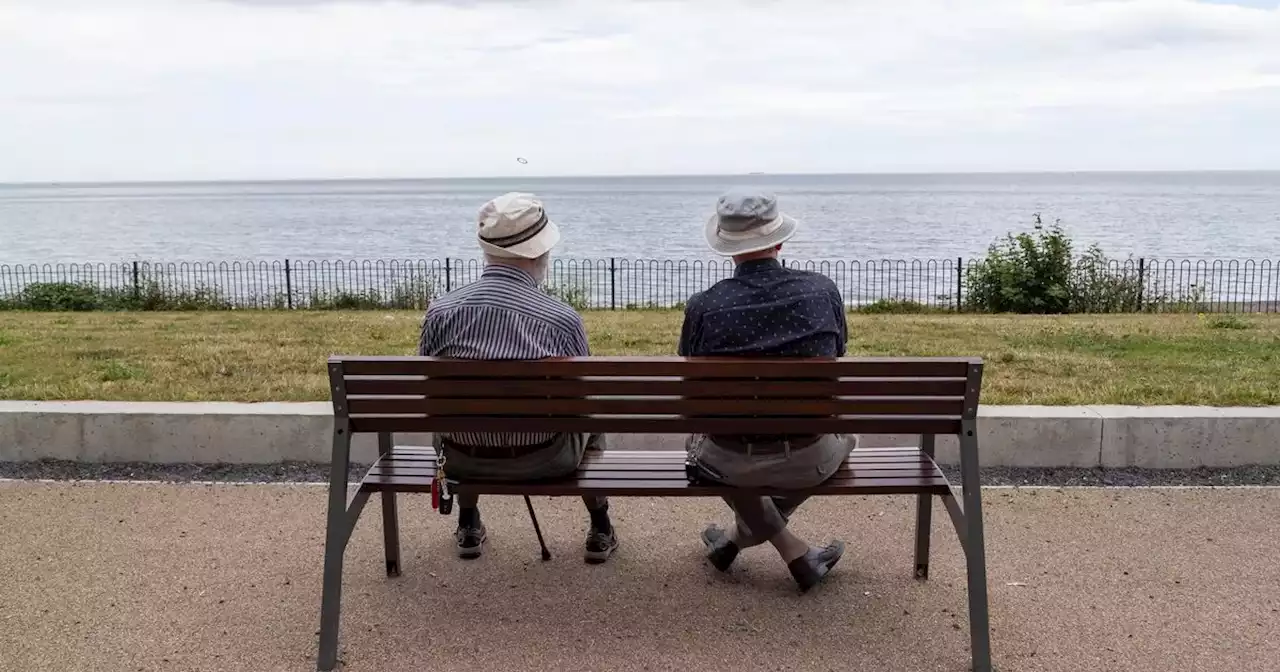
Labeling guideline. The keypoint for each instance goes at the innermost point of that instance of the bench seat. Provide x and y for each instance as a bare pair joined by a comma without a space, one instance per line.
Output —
867,471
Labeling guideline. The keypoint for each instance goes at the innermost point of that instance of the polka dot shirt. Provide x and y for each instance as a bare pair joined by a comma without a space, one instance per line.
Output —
766,310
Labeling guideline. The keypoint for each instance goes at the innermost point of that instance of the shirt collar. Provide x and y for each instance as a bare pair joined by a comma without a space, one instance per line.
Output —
757,266
508,273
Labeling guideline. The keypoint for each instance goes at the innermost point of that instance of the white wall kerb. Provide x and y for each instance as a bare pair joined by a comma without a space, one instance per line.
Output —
1015,436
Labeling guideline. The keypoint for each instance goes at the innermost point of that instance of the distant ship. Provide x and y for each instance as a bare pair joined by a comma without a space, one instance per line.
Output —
756,173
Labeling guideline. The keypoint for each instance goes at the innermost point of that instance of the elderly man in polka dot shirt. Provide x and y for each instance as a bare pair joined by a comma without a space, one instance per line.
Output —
765,310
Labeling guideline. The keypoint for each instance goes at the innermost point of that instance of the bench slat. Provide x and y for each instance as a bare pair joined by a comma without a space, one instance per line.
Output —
653,472
848,424
428,451
633,406
660,473
415,453
932,367
663,488
716,389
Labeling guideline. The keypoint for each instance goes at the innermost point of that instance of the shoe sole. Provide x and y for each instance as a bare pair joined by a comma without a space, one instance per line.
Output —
825,574
711,547
473,552
600,557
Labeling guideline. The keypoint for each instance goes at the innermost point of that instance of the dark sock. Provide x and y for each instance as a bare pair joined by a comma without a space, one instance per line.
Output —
469,516
600,519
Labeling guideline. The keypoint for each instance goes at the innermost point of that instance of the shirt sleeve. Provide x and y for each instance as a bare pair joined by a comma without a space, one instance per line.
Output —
427,337
576,341
689,330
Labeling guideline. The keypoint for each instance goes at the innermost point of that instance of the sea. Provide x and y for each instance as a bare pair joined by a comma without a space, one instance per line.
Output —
1182,215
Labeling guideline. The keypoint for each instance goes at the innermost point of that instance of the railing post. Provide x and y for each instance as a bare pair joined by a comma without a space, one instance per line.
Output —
1142,283
448,285
135,279
959,284
288,284
613,285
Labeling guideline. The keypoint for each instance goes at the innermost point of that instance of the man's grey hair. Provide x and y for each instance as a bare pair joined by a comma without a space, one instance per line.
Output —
538,268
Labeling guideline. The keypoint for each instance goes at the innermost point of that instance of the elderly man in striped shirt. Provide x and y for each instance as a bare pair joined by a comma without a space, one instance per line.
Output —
504,315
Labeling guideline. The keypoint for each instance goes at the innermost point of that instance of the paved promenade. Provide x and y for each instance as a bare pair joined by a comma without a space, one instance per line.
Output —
129,577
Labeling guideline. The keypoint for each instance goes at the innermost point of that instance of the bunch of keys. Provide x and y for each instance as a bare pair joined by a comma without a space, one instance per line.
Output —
441,498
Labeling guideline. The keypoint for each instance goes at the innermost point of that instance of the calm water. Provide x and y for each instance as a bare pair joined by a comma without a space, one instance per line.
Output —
1200,215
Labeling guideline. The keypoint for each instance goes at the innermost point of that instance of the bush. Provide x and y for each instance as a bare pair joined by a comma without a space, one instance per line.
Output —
366,300
1036,272
57,297
576,297
1099,285
1026,273
74,296
896,307
414,293
154,296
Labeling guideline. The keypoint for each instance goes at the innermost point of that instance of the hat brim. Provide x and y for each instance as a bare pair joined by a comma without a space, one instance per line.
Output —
732,248
533,248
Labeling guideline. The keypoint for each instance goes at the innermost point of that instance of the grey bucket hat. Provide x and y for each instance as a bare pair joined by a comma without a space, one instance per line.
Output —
748,221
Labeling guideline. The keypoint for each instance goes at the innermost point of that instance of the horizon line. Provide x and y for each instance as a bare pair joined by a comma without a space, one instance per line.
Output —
75,183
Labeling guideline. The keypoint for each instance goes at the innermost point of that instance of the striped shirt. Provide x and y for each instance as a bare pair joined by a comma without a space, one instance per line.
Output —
503,315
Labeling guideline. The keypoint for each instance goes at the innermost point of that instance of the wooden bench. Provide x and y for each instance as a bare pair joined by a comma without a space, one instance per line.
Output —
649,395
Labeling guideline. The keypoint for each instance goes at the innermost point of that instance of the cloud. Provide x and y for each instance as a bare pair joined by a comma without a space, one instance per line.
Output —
150,89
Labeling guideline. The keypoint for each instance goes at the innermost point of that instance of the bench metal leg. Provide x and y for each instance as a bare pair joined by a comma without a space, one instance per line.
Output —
924,516
390,517
975,553
335,543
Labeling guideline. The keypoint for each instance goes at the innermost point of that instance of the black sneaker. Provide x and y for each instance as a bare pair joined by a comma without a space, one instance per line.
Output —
720,551
811,568
471,541
600,545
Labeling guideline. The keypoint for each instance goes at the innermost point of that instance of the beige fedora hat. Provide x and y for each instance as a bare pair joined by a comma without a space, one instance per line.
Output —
515,226
748,221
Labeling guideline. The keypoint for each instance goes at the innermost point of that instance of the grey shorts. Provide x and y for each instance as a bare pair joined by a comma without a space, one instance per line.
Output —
559,459
799,468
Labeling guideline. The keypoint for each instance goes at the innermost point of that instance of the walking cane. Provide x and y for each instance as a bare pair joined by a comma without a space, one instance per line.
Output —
546,554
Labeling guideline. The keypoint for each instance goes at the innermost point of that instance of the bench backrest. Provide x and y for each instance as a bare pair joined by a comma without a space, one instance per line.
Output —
657,395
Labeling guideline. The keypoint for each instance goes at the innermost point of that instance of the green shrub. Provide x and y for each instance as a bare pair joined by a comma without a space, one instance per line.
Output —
575,296
414,293
57,297
1100,286
896,307
1194,299
1037,272
1026,273
75,296
342,300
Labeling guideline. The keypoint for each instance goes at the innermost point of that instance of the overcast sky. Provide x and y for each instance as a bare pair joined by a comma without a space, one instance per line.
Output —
218,89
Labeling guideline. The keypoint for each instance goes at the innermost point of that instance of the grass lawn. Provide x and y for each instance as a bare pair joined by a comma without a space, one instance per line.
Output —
279,356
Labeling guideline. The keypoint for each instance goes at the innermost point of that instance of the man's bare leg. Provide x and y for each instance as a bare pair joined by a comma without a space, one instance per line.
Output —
760,517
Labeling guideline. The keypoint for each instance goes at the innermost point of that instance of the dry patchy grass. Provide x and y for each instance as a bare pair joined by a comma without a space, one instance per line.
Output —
279,356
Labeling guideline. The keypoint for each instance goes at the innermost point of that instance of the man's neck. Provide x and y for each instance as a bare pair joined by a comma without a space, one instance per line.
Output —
511,269
756,264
